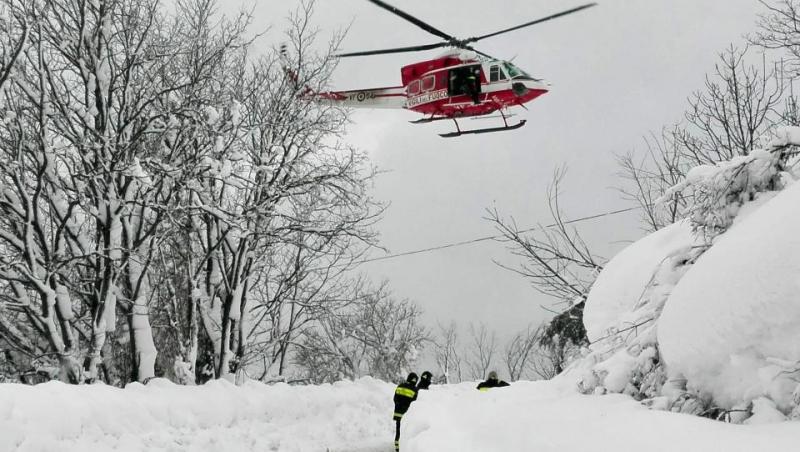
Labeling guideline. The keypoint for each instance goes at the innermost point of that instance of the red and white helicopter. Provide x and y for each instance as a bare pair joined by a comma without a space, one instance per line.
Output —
463,82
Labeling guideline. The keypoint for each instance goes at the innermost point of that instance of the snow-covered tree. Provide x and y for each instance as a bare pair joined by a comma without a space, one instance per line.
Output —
154,169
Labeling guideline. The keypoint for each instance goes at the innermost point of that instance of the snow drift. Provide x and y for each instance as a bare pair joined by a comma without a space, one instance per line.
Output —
703,316
354,417
162,416
618,290
732,324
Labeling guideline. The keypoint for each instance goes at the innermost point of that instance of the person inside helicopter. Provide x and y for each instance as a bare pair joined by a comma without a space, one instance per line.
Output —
466,80
473,84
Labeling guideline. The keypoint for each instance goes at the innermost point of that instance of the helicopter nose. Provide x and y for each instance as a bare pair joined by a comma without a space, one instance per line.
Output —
527,90
523,87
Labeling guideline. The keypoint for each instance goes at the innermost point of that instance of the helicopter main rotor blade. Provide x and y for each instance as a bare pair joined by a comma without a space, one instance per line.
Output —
395,50
537,21
413,20
479,52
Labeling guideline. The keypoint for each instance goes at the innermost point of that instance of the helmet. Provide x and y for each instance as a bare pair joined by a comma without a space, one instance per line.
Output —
426,375
492,375
412,378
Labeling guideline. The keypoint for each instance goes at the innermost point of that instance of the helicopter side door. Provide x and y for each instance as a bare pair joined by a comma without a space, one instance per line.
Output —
464,80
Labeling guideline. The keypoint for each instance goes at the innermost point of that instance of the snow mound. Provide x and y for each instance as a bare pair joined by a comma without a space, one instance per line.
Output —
623,282
545,416
162,416
731,326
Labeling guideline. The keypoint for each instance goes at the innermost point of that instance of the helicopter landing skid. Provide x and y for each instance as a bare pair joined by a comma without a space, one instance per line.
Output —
427,120
460,132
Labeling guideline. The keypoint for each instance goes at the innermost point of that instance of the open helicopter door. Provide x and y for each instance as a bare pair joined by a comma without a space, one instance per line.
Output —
465,81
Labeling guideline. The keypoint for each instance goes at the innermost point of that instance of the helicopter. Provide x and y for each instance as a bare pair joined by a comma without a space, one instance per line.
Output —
462,82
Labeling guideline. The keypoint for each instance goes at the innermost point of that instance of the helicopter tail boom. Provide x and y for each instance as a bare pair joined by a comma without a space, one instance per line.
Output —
388,97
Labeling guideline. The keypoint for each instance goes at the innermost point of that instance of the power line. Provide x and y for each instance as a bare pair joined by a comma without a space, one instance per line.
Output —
491,237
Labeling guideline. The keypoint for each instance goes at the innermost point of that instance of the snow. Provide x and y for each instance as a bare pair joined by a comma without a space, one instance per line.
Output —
356,417
620,286
735,314
786,135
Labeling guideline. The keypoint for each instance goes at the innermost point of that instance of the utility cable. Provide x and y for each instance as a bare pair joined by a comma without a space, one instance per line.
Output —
492,237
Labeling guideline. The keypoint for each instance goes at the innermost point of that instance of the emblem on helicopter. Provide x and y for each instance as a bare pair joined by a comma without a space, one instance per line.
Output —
426,98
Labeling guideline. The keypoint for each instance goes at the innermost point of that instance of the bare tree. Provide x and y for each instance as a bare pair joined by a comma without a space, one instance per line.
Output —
556,259
779,30
481,351
446,352
376,335
740,104
558,263
649,177
520,351
15,27
546,363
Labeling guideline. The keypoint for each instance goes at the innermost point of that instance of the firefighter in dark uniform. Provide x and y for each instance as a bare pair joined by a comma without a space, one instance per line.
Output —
424,380
491,382
472,84
404,394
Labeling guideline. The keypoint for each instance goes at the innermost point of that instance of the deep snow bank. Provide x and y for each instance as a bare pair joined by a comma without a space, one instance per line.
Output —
622,312
549,417
356,417
708,323
217,416
735,316
620,288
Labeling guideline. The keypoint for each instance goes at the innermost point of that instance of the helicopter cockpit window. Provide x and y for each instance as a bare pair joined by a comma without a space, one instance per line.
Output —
413,88
496,74
515,72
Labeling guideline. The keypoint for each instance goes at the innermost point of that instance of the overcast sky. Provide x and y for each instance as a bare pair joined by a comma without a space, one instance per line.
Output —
618,71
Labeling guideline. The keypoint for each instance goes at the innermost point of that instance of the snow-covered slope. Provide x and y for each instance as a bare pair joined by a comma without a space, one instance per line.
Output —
735,316
355,417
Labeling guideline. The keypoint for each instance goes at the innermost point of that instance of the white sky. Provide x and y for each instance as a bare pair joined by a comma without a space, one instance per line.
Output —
618,70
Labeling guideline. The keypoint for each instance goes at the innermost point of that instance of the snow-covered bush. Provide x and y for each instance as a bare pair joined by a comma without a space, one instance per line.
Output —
622,312
732,325
701,316
717,193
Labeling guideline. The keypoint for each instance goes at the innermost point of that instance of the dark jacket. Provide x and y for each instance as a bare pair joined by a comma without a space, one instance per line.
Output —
491,383
404,394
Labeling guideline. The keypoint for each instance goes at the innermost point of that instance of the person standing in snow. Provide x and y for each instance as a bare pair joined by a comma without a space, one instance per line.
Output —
404,394
491,382
424,380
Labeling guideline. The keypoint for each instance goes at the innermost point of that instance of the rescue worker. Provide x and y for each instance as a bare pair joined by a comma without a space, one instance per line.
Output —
424,380
404,394
491,382
472,85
